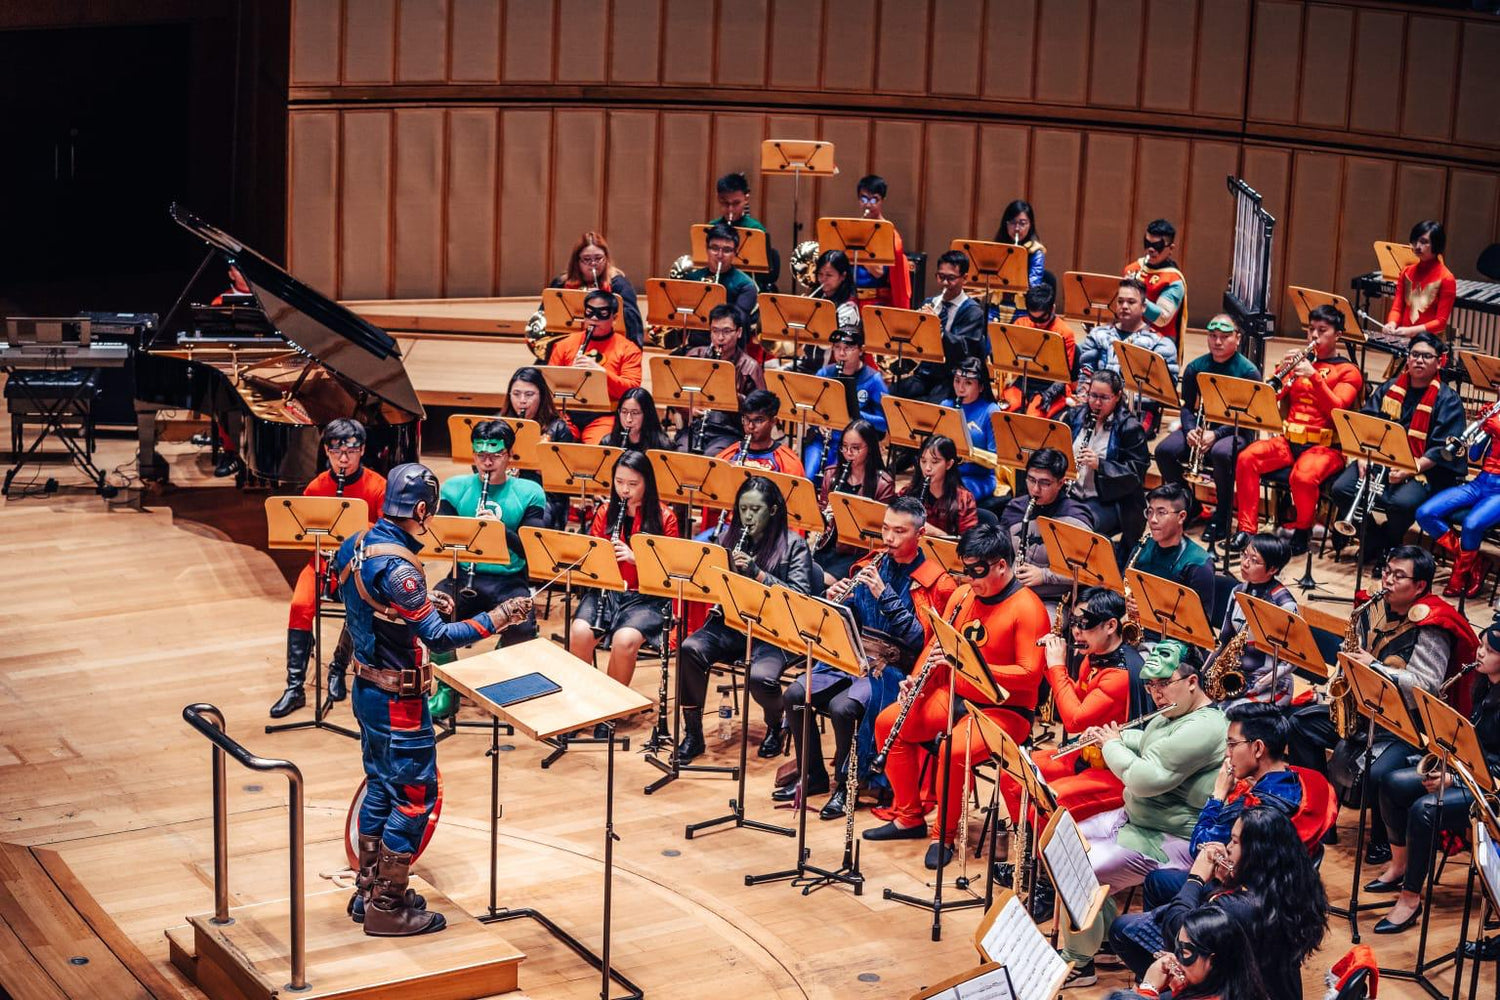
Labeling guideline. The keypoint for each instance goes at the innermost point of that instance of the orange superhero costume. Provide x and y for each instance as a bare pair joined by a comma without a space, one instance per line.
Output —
1006,628
621,360
1307,446
1167,316
366,485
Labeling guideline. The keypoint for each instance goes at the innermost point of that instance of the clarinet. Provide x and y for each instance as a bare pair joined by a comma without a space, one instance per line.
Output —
697,446
467,590
614,536
877,766
744,452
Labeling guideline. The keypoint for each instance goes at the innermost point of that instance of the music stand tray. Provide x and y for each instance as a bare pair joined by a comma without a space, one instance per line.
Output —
801,497
1170,609
1088,559
905,333
1019,435
681,304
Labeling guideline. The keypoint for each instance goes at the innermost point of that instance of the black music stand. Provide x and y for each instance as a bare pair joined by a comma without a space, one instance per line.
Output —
1242,404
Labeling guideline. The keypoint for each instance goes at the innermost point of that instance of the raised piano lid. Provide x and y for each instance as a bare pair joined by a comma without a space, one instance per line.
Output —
335,337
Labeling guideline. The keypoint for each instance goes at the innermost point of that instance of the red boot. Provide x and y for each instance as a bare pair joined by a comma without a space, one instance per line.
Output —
1463,569
1449,542
1476,577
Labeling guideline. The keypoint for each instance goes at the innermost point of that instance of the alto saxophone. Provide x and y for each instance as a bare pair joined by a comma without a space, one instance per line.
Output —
1342,710
1223,678
1130,628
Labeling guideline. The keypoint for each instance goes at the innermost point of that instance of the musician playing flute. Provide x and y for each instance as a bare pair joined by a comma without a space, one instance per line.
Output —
762,547
1174,453
1046,496
602,346
1432,413
1005,620
890,594
346,475
712,431
1310,392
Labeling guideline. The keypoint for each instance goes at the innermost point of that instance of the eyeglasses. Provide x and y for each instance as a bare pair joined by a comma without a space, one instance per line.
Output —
1397,575
347,449
1187,952
1237,743
1041,482
947,278
593,258
1159,513
868,199
1155,686
597,312
1422,356
1101,397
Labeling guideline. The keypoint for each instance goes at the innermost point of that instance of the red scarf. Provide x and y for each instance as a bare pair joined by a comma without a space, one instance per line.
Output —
1395,397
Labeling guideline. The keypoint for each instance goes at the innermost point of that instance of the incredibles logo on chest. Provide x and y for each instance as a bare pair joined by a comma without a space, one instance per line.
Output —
975,632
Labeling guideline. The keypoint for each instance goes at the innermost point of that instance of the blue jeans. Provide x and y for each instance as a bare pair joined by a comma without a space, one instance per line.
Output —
1481,496
400,758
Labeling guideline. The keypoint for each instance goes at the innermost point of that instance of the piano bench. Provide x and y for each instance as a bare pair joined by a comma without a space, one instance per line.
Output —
29,395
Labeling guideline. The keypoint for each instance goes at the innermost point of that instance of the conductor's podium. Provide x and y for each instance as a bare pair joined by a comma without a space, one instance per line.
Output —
248,959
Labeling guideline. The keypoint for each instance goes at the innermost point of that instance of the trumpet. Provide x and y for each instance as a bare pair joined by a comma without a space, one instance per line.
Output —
1278,380
1463,672
1370,489
1085,742
1460,445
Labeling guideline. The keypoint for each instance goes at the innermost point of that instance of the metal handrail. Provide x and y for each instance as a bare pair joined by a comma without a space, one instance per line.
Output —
209,721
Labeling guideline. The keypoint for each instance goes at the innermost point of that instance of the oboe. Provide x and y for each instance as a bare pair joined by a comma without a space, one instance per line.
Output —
614,536
877,766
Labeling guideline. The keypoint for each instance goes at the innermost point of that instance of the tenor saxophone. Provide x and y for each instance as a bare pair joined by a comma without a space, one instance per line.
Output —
1342,711
1130,628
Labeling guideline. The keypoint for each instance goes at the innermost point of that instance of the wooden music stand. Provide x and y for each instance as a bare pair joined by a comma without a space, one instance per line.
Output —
582,388
1282,635
480,540
1377,441
866,241
995,265
906,333
1305,300
522,455
749,252
944,552
813,399
1088,559
1027,351
1243,404
1146,373
1483,370
798,157
588,697
1019,435
1065,854
912,421
318,525
562,309
1393,258
990,980
1006,934
701,381
680,304
1088,297
858,520
1170,609
690,480
797,318
802,509
566,555
580,469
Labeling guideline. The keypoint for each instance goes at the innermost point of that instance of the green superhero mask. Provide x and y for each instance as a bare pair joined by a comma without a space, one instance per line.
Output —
1164,661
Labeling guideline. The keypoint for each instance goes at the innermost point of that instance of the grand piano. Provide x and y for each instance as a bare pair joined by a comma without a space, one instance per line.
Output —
271,367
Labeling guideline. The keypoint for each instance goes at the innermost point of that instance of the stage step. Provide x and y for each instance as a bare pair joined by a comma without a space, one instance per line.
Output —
56,942
250,958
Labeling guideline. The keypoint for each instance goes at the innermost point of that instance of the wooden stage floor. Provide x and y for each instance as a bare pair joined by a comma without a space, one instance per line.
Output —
121,616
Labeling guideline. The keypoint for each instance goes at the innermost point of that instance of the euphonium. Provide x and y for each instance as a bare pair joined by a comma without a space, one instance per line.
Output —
1130,628
680,267
1223,678
804,257
1278,380
1342,711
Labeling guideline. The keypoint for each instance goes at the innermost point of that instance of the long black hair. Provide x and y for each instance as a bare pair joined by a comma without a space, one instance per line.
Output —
546,408
652,436
874,461
1275,868
840,262
637,462
947,504
772,545
1233,973
1015,208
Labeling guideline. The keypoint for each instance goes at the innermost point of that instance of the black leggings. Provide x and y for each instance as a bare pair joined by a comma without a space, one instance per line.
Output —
716,642
1409,810
842,709
1391,755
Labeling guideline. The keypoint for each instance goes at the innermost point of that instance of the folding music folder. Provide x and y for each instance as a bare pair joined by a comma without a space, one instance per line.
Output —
522,455
682,305
995,265
1065,854
797,318
1146,373
809,157
1088,296
1170,609
874,240
750,250
1305,300
990,981
1019,435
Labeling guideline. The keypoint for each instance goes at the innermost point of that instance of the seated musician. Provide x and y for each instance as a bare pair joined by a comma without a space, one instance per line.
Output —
1426,290
890,594
1309,394
720,243
975,400
590,266
1481,497
860,470
1167,552
863,391
733,194
1005,620
1432,413
1041,398
950,506
757,446
529,397
1097,352
1018,226
761,547
714,430
1168,770
599,346
344,444
1174,453
628,617
876,284
1409,798
964,336
1045,496
637,425
1166,288
1260,561
1109,449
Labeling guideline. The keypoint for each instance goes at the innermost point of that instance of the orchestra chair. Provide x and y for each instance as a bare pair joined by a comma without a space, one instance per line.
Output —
1357,988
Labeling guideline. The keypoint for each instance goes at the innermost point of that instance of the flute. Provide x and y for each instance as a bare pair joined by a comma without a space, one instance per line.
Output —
1086,742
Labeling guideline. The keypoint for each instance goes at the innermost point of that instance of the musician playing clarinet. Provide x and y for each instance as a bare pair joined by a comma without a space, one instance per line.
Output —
714,430
1045,496
602,346
1432,413
1109,449
890,594
762,547
1005,620
346,475
860,471
863,391
1318,382
1167,552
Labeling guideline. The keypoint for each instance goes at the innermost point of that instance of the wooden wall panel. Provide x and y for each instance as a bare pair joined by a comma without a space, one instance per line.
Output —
635,49
1104,207
474,42
313,198
578,169
1313,220
1277,62
316,30
370,42
901,53
736,147
526,259
682,197
1056,170
796,32
851,141
633,179
1062,63
1478,119
1474,211
526,40
365,206
1004,175
1170,55
688,43
1160,190
896,155
1430,84
471,203
1326,45
422,40
417,236
1365,216
1268,170
1009,49
950,156
742,43
1421,192
1206,237
957,44
771,197
848,45
1113,81
582,56
1374,99
1218,81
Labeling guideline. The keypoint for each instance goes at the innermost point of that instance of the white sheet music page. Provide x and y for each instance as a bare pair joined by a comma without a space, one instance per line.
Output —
992,985
1488,856
1072,874
1036,969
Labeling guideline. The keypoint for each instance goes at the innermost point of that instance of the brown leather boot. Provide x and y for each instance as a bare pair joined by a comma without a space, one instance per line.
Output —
369,859
1462,576
388,914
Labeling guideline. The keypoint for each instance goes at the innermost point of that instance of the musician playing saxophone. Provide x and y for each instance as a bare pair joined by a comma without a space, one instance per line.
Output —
1260,561
1309,394
1005,620
601,345
1431,412
1109,448
761,547
891,593
714,430
1045,496
1170,554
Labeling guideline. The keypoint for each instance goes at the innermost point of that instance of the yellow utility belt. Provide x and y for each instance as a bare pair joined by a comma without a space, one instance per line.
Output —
1303,434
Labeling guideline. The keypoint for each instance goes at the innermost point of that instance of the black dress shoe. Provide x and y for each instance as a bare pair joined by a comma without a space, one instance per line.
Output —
771,746
1005,873
691,747
1386,926
890,831
834,807
1239,541
1486,950
1379,887
291,699
936,851
228,466
1377,854
788,793
1213,532
602,731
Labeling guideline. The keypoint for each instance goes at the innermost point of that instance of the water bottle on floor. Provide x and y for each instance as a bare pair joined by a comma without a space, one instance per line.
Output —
726,716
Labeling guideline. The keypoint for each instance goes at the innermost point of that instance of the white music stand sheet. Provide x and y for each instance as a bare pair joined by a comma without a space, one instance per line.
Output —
1036,969
1072,875
992,985
1487,854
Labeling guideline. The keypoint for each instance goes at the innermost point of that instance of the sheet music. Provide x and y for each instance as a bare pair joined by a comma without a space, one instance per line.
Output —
1036,969
1072,874
992,985
1487,853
